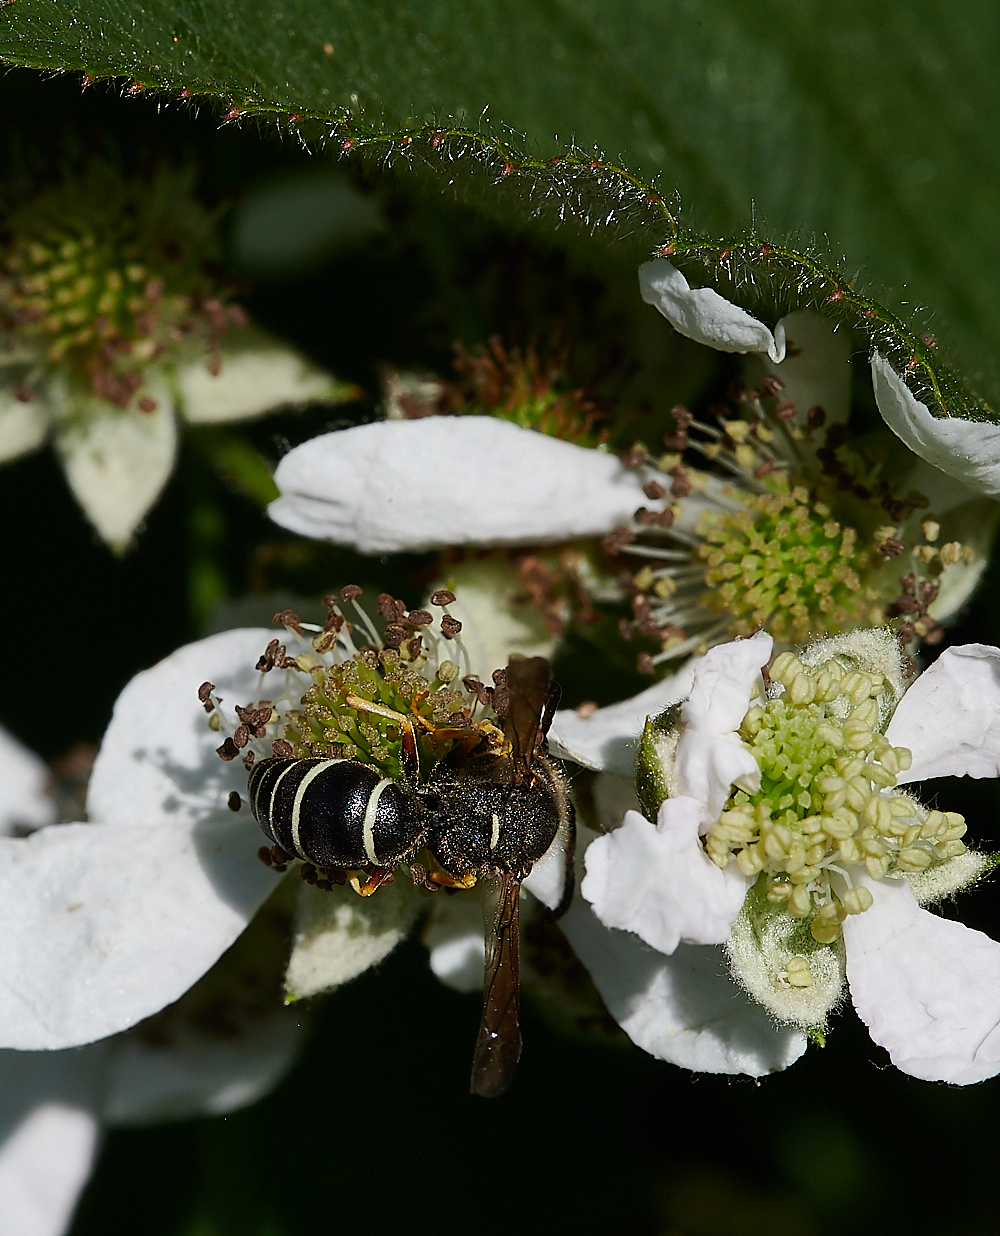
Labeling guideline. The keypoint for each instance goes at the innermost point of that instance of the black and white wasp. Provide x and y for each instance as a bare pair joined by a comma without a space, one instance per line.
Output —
492,811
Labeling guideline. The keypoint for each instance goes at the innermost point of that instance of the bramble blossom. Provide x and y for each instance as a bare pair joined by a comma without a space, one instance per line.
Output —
782,832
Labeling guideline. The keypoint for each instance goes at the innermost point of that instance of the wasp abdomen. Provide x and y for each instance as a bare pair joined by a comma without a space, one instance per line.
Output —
335,812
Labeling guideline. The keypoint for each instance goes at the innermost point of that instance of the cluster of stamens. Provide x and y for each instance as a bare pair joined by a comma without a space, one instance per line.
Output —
795,540
105,276
357,692
827,801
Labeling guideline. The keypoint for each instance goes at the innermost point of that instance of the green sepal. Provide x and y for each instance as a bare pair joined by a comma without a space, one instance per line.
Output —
655,758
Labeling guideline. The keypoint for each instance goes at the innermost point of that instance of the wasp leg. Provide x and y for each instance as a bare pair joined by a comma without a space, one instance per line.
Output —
377,876
411,758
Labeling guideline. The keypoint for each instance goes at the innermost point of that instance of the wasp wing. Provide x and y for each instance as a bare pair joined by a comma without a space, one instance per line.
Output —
527,683
498,1047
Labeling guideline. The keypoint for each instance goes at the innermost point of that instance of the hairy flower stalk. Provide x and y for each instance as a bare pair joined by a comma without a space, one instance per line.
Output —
791,531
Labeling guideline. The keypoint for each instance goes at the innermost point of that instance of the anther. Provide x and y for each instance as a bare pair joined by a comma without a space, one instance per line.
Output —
228,751
234,802
450,627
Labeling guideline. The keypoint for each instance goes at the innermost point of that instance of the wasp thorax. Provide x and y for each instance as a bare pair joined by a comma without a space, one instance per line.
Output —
828,802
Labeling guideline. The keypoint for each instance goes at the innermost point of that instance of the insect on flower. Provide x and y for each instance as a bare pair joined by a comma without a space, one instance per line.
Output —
413,768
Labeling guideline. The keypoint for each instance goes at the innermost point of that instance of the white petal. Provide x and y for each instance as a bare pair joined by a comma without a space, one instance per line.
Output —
706,768
258,374
449,480
455,935
25,801
968,450
658,882
157,762
135,909
492,625
196,1074
705,316
613,797
817,368
609,738
723,680
105,924
684,1009
117,462
23,426
339,935
927,988
950,717
49,1135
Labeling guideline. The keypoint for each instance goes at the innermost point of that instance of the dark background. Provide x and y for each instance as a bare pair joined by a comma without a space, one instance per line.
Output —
374,1129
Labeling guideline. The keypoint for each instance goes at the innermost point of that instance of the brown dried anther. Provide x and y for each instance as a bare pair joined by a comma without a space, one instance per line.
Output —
394,635
350,592
450,627
282,749
618,537
635,458
443,596
288,618
205,690
228,751
234,802
419,618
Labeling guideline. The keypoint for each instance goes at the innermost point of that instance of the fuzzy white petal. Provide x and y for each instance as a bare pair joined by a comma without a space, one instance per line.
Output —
258,373
157,762
705,316
105,924
927,988
23,426
817,367
25,802
684,1009
455,936
492,625
49,1135
707,768
950,717
339,935
117,462
609,738
447,480
135,908
658,882
968,450
723,680
197,1075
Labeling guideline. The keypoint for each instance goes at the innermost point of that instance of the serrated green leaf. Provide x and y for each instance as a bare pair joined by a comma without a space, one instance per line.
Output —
864,124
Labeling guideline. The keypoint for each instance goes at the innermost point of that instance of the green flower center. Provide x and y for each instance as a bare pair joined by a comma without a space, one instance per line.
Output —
827,800
106,273
782,561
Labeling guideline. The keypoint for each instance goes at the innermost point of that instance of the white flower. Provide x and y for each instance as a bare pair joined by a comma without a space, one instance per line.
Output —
54,1104
711,553
117,460
836,857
